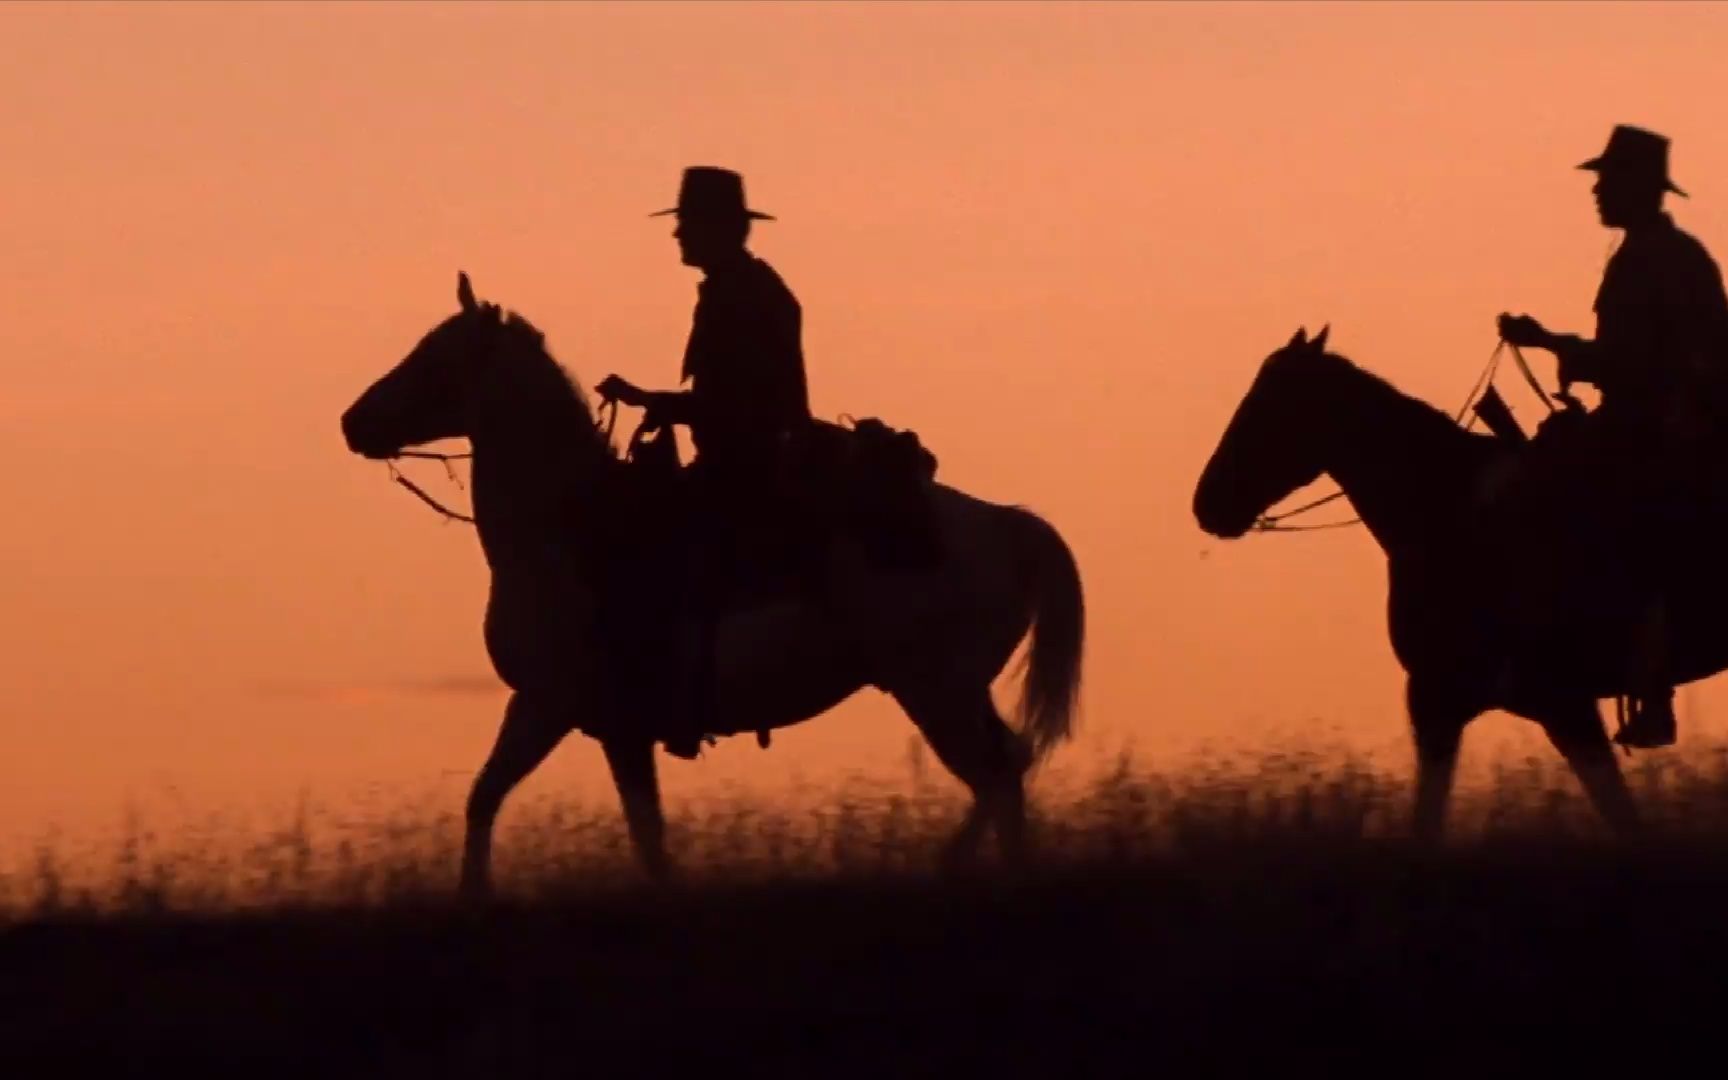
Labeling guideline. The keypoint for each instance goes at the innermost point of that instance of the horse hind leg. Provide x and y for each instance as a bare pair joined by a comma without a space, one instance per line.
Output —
972,741
1010,758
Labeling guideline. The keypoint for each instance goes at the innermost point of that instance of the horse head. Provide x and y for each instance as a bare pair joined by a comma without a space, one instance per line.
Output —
481,368
425,397
1259,460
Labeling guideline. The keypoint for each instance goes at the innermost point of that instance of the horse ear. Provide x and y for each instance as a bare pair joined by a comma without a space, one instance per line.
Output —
1301,338
1319,342
465,291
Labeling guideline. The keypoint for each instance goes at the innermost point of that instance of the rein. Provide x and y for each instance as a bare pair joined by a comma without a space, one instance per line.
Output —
604,424
419,492
1276,522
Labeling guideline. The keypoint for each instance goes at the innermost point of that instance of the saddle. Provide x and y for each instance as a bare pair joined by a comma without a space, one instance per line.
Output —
693,547
868,483
768,538
1580,524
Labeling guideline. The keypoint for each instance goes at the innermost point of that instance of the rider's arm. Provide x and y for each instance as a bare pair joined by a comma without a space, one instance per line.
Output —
672,406
1580,358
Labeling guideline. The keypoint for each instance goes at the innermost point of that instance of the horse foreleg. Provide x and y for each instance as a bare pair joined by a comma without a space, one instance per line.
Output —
632,763
529,732
1576,731
1437,722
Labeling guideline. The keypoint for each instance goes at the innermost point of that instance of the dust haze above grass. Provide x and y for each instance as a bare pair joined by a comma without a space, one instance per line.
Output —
1323,801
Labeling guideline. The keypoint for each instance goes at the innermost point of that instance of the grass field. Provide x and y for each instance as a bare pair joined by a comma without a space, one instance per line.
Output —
1267,915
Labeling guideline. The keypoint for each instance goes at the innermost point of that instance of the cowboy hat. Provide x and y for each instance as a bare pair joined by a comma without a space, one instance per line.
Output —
711,192
1636,152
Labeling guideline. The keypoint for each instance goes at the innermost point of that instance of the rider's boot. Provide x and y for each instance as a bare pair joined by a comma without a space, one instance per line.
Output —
688,722
1652,723
687,725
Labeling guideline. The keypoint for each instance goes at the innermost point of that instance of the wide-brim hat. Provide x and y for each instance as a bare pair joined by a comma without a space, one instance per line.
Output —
711,192
1633,151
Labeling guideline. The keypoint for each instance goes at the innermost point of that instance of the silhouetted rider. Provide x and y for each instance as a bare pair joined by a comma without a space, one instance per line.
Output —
744,361
1659,358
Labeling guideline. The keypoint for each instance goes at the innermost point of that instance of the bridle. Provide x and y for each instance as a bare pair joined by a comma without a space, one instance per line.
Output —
1479,395
605,423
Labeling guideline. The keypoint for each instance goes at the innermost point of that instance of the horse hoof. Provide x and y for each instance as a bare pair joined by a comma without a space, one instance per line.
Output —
957,863
474,891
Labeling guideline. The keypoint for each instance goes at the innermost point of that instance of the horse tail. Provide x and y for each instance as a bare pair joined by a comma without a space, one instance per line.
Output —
1052,664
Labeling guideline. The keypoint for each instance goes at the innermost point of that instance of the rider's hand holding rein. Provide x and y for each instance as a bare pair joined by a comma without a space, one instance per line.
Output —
616,389
660,408
1524,332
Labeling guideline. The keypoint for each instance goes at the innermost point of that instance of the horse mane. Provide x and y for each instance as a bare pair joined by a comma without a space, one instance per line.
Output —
524,343
1403,409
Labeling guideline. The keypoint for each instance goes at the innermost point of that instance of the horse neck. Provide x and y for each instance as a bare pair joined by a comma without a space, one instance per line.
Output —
537,456
1403,464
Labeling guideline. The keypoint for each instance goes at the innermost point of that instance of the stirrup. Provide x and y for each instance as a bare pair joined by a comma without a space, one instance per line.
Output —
1645,728
686,748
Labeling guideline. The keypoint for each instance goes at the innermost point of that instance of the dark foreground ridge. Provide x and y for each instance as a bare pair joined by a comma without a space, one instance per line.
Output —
1185,935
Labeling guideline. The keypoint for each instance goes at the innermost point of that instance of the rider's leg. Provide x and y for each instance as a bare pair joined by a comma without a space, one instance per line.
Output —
1653,722
703,552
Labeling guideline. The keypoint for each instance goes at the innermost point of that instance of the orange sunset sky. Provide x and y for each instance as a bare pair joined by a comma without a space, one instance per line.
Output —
1054,239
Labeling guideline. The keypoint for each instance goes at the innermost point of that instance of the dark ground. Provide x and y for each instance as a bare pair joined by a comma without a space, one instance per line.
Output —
1179,933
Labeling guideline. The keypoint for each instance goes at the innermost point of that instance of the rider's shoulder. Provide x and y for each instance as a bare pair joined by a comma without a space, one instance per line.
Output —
762,279
1665,251
1694,262
761,270
1676,240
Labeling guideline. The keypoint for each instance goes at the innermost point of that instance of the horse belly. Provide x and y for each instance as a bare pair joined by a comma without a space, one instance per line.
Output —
779,665
783,663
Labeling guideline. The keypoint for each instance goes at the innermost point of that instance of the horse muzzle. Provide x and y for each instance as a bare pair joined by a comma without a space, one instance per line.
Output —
1219,521
364,442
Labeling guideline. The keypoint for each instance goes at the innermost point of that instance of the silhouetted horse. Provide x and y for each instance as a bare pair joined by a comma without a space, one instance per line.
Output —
546,482
1501,594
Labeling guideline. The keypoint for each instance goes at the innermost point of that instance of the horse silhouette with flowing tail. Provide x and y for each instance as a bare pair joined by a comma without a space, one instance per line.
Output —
1503,591
547,485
